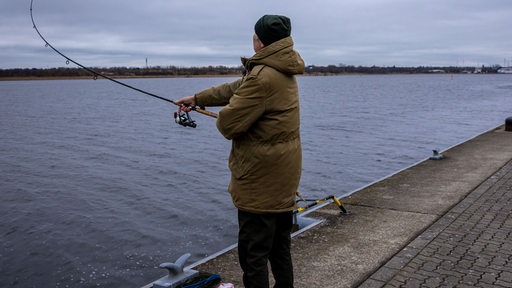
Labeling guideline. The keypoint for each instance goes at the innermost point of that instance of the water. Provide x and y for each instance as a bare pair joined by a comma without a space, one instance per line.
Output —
99,185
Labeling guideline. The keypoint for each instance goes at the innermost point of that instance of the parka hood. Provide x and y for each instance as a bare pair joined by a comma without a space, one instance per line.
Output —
278,55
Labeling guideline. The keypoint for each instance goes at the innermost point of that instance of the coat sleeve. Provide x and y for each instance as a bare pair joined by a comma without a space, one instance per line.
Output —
245,107
218,95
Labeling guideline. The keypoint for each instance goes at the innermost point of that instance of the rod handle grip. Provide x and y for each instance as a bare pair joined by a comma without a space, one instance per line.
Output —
205,112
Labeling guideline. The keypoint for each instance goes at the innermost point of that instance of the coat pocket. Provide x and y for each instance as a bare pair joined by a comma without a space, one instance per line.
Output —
244,161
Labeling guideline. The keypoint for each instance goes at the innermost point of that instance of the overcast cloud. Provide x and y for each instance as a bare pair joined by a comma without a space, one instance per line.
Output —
217,32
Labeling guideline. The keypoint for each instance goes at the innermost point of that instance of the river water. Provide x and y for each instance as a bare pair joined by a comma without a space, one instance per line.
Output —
98,185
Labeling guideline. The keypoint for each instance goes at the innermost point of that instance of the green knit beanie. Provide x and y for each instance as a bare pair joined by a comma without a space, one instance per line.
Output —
271,28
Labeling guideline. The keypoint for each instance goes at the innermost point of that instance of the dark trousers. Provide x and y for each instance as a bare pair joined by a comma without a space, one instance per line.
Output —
264,238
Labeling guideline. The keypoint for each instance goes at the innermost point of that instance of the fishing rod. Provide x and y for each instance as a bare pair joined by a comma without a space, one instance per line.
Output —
181,117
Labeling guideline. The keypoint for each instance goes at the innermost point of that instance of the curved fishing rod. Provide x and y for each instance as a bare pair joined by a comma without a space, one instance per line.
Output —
182,119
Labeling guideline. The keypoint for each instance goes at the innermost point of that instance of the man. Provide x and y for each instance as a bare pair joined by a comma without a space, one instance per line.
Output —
261,117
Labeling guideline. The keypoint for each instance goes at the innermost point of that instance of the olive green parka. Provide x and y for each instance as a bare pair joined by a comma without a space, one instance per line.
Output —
261,117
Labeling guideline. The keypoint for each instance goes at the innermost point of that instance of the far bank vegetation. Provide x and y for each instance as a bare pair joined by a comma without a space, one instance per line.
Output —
218,71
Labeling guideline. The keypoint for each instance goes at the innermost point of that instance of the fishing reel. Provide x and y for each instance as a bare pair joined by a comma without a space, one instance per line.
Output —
184,119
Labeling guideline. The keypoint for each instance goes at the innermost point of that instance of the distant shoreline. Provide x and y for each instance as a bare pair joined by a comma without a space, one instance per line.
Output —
206,76
222,71
113,77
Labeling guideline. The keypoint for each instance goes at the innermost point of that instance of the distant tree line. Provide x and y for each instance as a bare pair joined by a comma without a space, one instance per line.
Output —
157,71
349,69
174,71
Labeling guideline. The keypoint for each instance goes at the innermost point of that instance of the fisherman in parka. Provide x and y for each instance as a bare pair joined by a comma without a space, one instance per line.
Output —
261,117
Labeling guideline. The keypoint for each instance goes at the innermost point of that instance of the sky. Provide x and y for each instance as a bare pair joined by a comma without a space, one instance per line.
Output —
186,33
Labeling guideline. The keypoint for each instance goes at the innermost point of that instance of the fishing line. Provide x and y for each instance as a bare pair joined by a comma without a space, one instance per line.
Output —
98,74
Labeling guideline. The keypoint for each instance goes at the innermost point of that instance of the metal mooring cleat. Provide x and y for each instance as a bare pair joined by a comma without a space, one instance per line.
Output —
177,274
436,155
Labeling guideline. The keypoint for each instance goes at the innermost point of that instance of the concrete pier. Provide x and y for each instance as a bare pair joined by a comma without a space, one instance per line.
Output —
440,223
